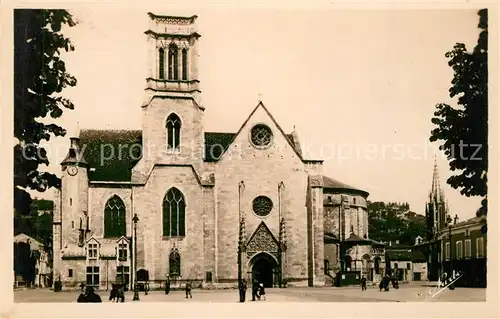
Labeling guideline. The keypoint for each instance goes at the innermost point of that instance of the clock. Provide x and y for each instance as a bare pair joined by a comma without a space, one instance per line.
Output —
72,170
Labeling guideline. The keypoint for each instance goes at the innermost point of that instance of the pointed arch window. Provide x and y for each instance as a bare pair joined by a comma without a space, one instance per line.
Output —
174,211
114,218
174,262
184,64
173,65
173,132
161,59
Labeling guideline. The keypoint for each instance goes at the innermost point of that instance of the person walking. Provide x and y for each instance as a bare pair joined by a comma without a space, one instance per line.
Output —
188,289
262,291
243,290
255,287
167,285
363,283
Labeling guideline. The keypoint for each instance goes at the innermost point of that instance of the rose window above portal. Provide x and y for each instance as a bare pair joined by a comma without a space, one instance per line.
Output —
262,206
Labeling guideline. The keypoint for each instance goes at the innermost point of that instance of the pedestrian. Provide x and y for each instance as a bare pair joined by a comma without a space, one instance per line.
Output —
262,292
113,295
243,290
167,285
89,296
82,287
255,287
363,283
188,289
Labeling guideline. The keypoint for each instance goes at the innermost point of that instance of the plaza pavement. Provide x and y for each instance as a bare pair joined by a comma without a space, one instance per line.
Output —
406,293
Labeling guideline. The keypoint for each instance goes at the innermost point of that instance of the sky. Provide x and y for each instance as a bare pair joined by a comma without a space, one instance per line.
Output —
360,87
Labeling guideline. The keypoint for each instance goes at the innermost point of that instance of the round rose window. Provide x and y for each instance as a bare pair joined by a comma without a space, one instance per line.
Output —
261,135
262,206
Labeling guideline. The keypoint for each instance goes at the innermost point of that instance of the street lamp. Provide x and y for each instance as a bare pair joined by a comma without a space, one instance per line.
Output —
136,293
241,187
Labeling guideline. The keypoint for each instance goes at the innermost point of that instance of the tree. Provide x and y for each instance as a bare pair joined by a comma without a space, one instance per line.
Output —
464,129
39,78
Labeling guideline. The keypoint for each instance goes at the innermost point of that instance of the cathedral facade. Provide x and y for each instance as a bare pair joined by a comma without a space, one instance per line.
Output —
203,206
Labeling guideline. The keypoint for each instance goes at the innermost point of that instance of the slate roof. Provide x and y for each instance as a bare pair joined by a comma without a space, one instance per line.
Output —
102,152
332,183
116,165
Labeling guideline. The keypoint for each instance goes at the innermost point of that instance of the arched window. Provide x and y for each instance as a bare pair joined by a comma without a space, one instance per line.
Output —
184,65
161,58
174,210
174,262
173,132
114,218
173,64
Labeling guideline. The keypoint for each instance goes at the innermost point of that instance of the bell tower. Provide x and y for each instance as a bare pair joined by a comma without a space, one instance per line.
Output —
172,111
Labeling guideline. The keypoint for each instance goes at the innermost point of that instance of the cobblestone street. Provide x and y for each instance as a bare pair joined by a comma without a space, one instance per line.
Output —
407,293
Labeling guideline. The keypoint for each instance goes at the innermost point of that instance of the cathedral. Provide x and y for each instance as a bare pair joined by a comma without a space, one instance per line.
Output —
208,207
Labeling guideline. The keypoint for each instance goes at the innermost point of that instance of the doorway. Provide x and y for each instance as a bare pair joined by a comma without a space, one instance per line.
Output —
264,268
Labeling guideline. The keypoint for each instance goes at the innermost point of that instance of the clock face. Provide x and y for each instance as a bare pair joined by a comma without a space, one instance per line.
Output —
72,170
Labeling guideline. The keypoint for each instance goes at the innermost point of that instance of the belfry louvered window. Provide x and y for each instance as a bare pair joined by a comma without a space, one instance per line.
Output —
173,62
173,132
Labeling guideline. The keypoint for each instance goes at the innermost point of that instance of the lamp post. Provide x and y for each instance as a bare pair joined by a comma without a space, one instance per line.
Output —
136,293
281,185
241,186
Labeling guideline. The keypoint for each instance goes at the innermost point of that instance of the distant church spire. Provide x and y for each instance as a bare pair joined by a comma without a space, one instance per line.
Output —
436,191
437,207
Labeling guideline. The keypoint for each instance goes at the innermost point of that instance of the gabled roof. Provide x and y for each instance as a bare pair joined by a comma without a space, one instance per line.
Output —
334,184
353,238
287,136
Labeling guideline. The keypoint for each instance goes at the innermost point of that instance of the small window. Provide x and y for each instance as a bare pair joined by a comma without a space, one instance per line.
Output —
479,247
70,273
459,249
467,233
123,275
208,276
93,276
447,251
122,251
70,201
92,251
408,266
467,245
396,265
354,201
72,224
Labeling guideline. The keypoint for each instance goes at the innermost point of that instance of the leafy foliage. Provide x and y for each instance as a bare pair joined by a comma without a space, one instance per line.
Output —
394,221
464,129
39,77
36,225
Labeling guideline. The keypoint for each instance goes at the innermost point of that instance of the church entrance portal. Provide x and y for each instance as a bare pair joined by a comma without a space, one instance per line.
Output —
264,269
